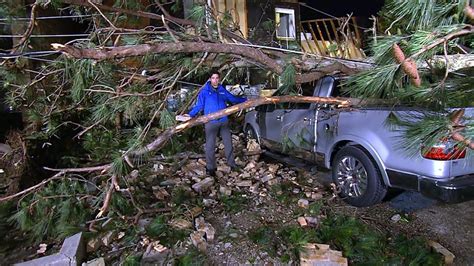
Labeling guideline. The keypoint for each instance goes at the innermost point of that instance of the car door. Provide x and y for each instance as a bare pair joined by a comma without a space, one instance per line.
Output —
298,125
327,118
272,120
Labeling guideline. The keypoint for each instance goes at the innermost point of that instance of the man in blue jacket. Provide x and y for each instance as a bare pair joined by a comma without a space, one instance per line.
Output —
213,98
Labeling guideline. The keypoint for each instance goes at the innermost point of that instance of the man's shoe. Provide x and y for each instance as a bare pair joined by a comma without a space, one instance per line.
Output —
211,172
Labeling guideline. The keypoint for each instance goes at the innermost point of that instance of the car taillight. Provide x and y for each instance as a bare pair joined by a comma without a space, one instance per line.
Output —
445,151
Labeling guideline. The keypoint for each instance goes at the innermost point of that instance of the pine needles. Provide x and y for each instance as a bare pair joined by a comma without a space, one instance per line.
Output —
287,80
58,210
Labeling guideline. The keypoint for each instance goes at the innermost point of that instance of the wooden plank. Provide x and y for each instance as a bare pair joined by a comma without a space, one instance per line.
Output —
315,39
241,8
338,40
356,29
327,30
306,40
322,37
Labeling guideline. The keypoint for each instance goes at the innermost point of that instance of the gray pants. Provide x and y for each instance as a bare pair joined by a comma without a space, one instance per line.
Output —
212,129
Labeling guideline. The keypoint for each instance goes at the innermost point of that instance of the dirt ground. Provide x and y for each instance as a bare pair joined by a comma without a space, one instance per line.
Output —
451,225
237,220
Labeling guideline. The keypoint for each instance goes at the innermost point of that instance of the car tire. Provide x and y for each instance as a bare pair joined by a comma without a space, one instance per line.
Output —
357,177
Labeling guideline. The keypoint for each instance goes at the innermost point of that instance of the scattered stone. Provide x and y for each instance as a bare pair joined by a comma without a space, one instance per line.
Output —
199,171
316,195
157,254
321,254
108,238
273,168
142,223
170,182
201,162
303,203
95,262
267,178
157,167
234,235
180,223
209,202
253,146
42,248
296,190
196,179
254,188
219,174
250,165
197,238
245,183
302,221
313,221
245,175
207,228
225,191
396,218
160,193
239,162
273,181
121,235
227,245
203,185
448,255
93,245
195,212
134,174
224,169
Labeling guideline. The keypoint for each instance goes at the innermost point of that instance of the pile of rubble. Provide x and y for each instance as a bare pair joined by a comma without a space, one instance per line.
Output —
255,179
254,176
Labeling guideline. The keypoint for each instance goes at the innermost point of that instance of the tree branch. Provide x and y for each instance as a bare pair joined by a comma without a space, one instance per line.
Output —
28,31
181,47
163,138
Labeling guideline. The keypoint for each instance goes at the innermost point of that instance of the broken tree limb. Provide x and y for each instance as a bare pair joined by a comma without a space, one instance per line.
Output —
33,188
330,68
253,54
28,31
171,48
163,138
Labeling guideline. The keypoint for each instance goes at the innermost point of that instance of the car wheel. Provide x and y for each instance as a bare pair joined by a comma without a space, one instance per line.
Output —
357,177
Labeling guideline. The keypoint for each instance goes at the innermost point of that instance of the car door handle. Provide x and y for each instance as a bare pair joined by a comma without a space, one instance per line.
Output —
278,117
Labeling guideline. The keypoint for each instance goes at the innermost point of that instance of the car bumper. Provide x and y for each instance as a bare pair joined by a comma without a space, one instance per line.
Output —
456,190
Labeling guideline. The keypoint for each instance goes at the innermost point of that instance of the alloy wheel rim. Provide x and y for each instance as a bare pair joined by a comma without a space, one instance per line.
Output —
351,176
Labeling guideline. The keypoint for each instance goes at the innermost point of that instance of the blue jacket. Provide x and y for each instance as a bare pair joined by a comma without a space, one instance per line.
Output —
211,100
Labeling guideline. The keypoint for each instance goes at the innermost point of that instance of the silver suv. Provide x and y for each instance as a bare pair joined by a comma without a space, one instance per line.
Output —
363,153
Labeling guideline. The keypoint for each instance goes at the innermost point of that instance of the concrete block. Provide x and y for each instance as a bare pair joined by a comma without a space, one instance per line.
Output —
72,253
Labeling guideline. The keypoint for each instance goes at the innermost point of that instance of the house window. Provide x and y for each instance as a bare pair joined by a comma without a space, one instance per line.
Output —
285,23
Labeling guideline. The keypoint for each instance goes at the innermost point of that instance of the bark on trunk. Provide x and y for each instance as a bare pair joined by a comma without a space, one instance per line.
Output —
163,138
181,47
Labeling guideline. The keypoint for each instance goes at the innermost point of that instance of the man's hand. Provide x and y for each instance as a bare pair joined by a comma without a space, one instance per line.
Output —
183,118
